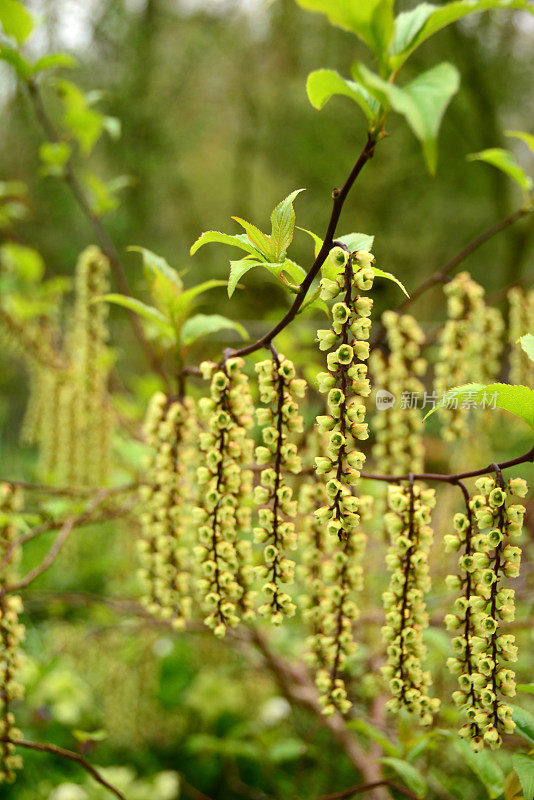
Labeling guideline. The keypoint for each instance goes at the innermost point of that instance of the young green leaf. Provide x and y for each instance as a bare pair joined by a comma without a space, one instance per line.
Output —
53,60
505,162
524,769
357,241
381,274
83,122
238,269
204,324
10,55
527,138
260,240
283,223
422,102
322,84
415,26
182,302
527,343
16,20
525,688
485,768
370,20
157,265
409,775
375,734
317,241
524,724
147,312
238,240
518,400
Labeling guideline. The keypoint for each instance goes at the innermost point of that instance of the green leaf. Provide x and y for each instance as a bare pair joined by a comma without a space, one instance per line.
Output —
147,312
357,241
381,274
53,60
23,261
237,270
525,688
409,775
157,265
238,240
204,324
101,198
16,20
84,123
183,301
505,162
322,84
528,138
113,126
55,155
260,240
422,102
524,769
415,26
283,223
524,724
370,20
518,400
318,242
11,56
485,768
527,343
370,732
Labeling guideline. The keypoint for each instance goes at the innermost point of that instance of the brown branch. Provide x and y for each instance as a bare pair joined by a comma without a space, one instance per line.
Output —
85,518
453,479
106,243
62,753
366,787
295,684
441,275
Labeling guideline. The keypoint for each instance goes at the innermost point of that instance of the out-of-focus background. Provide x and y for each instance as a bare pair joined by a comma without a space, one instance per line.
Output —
216,122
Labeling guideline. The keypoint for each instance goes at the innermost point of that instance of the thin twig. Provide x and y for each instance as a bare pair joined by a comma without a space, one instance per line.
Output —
453,479
85,518
366,787
60,751
441,275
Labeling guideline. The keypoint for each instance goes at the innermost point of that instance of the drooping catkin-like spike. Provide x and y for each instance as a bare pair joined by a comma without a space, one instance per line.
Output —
462,348
399,428
91,360
482,650
346,384
11,636
408,523
520,321
316,549
223,506
280,389
164,552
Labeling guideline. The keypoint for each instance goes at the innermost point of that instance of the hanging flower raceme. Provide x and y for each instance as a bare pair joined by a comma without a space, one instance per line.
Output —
346,385
91,359
280,390
520,321
482,651
164,547
408,523
11,637
224,508
471,332
399,428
